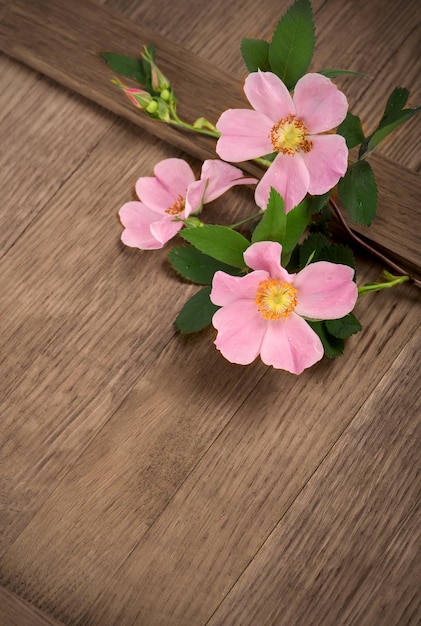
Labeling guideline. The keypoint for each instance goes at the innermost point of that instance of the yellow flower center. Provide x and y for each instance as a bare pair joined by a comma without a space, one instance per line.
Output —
177,207
276,299
289,135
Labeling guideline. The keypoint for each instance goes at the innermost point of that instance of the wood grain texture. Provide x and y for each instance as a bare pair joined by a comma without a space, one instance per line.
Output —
75,36
347,551
16,612
141,476
159,499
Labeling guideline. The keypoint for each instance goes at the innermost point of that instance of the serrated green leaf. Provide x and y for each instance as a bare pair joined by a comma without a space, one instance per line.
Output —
334,72
379,135
255,53
358,192
197,313
395,103
297,221
318,203
126,66
394,115
292,46
351,130
273,223
333,346
312,245
219,242
195,266
343,327
337,253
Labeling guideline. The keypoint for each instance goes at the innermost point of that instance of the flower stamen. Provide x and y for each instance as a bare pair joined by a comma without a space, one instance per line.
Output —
289,135
178,206
276,299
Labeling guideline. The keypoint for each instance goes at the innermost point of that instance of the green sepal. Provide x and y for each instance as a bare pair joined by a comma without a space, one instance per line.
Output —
126,66
220,242
358,192
292,46
197,313
351,130
343,327
255,53
273,223
197,267
332,346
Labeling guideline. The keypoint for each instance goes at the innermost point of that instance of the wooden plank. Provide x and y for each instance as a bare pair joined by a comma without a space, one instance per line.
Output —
158,518
47,131
16,612
77,33
78,326
354,559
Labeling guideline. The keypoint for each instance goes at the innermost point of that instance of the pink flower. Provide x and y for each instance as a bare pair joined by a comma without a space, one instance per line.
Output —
262,312
171,196
307,161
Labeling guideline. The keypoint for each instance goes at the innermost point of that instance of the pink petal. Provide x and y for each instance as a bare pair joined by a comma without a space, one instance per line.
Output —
326,162
240,331
154,194
325,290
227,289
137,219
220,177
175,174
194,197
172,177
266,255
267,94
289,176
245,134
290,345
319,103
165,229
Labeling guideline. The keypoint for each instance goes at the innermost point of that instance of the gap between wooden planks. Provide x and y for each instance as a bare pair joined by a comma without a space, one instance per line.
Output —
65,47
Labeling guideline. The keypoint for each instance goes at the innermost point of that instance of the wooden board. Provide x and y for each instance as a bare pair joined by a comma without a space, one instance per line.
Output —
66,48
143,479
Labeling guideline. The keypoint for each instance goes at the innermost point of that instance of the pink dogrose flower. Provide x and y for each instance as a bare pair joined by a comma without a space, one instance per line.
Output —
171,196
307,161
263,312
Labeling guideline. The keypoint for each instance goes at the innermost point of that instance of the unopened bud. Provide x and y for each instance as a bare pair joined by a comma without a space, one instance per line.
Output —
152,107
165,95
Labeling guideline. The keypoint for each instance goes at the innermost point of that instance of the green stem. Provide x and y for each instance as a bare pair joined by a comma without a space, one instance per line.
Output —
202,131
262,161
392,281
247,219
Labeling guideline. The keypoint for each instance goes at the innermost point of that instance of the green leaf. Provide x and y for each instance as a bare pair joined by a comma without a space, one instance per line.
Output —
333,346
126,66
334,71
219,242
358,192
318,203
297,221
272,225
381,133
255,53
352,130
336,253
193,265
311,247
197,313
344,327
395,103
394,115
292,46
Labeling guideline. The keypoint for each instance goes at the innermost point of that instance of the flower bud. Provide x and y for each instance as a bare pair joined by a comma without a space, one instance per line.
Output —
152,107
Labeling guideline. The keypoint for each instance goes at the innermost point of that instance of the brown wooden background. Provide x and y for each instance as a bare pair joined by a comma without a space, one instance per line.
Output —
145,480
